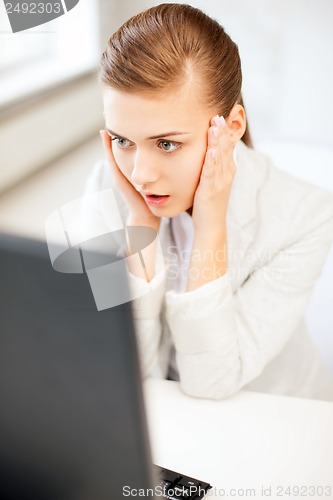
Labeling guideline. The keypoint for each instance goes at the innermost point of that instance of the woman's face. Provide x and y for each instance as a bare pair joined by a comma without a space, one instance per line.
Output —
159,144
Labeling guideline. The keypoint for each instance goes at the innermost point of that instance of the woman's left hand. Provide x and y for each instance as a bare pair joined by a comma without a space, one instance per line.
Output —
212,194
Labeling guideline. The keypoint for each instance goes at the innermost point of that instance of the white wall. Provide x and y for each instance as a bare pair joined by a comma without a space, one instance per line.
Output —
286,51
285,47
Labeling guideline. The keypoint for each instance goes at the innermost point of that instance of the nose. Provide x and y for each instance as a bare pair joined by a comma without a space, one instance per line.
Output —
144,171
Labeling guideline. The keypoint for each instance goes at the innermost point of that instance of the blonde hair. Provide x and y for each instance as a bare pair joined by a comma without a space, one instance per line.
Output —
161,48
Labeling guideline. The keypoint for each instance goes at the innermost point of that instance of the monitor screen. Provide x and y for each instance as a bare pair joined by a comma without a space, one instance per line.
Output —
72,420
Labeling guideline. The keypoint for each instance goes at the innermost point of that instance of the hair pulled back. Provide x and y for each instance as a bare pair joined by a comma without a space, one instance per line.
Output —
164,47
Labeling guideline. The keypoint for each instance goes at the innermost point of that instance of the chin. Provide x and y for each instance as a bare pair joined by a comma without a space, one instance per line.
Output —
171,211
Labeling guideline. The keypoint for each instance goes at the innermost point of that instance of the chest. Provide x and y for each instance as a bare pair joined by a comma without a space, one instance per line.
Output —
249,248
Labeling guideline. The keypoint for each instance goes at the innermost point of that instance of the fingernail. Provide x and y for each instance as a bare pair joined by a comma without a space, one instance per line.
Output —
213,153
222,121
101,132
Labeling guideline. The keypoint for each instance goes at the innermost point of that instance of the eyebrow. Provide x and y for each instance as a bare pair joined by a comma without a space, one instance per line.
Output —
159,136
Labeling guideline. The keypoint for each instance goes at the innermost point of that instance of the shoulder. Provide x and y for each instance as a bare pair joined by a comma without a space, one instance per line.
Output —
283,197
99,177
275,180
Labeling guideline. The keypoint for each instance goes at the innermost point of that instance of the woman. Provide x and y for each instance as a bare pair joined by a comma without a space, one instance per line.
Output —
242,241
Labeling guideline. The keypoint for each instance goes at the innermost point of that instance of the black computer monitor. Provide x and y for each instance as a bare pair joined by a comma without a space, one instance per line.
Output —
72,418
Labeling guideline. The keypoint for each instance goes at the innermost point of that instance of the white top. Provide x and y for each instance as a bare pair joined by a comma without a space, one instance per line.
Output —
245,329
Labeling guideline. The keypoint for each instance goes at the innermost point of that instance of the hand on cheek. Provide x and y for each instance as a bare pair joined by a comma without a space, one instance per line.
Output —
211,197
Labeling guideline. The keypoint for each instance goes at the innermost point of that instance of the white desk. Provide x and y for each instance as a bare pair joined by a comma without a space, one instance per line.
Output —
248,441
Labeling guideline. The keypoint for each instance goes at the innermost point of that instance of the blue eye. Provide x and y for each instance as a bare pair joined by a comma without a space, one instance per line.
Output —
121,142
169,146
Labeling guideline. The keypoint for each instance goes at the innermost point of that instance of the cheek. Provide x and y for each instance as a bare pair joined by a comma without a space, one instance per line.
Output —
193,169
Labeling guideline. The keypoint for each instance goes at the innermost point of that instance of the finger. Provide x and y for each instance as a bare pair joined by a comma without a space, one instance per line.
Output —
208,170
215,143
216,132
220,138
222,163
226,145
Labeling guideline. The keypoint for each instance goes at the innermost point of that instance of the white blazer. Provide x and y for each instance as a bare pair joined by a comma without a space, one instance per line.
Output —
245,329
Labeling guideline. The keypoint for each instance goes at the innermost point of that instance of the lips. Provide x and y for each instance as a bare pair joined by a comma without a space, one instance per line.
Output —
156,200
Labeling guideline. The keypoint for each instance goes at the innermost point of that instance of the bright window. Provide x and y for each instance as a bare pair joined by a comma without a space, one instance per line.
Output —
43,56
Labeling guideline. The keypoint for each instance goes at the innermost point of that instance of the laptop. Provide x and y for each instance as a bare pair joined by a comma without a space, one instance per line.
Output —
72,424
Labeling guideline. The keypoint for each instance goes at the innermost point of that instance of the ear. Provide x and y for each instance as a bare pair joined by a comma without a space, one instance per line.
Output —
236,121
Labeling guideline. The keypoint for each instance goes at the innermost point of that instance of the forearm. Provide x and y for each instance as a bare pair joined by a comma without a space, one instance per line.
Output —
208,258
142,263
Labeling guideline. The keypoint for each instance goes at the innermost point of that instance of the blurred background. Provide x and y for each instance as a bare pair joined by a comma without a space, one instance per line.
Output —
51,109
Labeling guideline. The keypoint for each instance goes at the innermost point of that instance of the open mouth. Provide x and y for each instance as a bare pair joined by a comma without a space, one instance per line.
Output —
156,199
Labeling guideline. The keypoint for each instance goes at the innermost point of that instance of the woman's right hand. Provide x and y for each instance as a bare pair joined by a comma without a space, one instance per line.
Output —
139,212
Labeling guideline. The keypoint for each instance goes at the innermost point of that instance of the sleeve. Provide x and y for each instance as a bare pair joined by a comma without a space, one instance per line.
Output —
224,339
102,211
